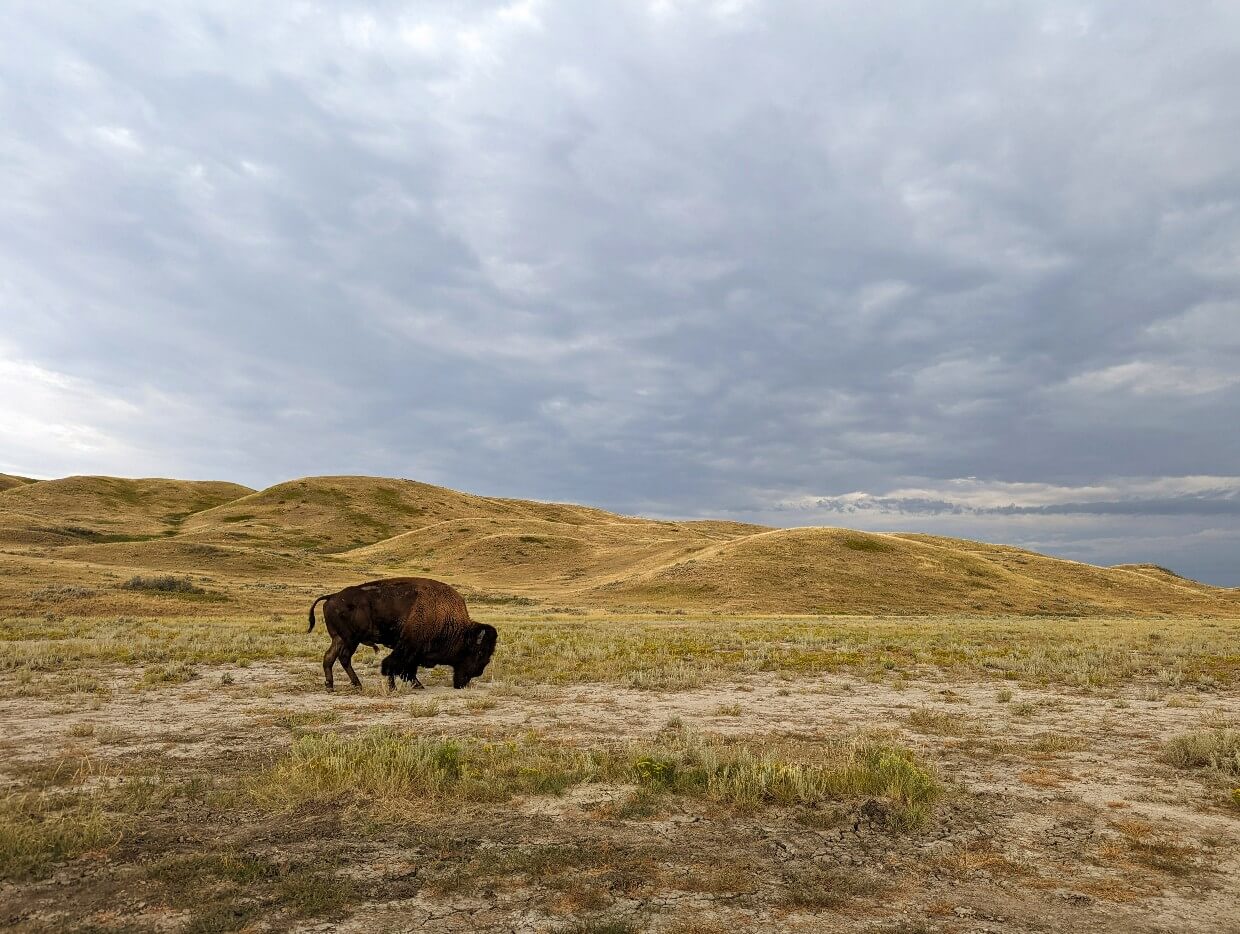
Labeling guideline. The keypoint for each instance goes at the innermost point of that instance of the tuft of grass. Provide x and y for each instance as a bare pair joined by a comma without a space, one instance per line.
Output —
1057,742
390,769
314,894
38,830
1217,749
729,710
938,722
736,776
248,884
177,673
423,708
185,873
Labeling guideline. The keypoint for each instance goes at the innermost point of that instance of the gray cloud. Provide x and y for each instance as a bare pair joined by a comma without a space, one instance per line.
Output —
679,258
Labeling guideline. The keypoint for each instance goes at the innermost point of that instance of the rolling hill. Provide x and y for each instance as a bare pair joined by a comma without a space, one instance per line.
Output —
92,509
268,549
8,481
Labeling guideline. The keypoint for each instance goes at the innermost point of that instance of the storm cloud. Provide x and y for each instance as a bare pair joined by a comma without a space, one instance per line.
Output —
971,268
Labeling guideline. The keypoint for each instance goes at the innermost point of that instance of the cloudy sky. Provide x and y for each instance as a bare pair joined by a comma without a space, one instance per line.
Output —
967,268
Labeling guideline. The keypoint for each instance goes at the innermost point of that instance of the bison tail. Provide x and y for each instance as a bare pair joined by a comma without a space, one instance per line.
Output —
310,628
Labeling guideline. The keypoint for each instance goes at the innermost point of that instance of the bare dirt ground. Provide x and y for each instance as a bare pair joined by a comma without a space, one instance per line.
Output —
1058,814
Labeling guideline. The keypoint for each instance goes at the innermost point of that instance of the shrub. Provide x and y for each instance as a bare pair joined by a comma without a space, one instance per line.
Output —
1217,749
53,593
177,673
165,583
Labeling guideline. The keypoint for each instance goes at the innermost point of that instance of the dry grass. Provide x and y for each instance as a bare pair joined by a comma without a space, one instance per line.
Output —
819,889
665,656
423,708
1215,751
940,722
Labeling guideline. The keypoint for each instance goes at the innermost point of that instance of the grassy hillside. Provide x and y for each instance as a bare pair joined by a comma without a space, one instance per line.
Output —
825,570
7,481
540,555
331,514
71,543
92,509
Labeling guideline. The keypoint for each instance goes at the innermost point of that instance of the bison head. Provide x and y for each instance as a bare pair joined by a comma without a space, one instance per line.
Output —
479,646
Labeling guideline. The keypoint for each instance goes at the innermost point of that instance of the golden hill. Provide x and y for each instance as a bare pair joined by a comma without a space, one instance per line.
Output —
78,509
827,570
8,480
269,549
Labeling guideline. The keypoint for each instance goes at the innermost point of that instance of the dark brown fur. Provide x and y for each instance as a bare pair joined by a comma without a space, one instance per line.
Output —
425,622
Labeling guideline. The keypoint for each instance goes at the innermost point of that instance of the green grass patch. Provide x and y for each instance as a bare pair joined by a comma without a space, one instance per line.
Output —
39,830
383,768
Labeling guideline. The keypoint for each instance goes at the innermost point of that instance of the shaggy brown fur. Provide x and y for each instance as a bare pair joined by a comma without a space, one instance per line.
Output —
424,621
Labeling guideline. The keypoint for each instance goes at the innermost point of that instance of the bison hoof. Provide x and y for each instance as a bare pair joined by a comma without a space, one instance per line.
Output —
418,686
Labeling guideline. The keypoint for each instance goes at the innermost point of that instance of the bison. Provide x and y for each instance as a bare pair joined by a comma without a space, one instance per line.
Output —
424,622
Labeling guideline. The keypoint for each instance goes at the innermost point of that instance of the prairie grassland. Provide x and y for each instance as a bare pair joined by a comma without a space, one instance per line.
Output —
624,773
654,654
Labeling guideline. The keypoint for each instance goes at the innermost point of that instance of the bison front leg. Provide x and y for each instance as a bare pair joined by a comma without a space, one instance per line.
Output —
413,678
346,662
329,659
